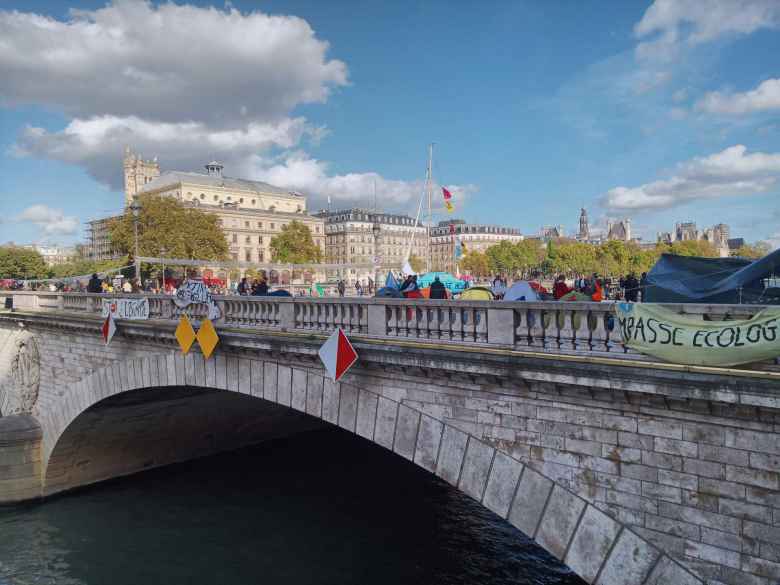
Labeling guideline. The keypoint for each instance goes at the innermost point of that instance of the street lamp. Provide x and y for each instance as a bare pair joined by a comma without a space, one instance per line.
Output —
135,207
375,230
163,251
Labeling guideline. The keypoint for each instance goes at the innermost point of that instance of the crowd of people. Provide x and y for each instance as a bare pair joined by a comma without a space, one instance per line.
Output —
627,288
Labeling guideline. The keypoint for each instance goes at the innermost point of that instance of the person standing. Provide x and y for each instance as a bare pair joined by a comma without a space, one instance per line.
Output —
632,288
438,291
643,287
342,288
95,285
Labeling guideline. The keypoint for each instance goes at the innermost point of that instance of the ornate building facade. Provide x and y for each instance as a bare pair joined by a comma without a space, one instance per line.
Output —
717,235
251,212
475,238
349,240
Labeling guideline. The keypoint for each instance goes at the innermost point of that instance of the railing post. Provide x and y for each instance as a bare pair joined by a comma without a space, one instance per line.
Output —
501,326
287,315
377,320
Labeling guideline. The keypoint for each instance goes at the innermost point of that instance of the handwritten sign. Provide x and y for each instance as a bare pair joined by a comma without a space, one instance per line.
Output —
196,291
683,339
129,309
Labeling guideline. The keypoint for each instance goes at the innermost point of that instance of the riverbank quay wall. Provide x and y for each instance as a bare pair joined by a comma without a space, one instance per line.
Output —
626,470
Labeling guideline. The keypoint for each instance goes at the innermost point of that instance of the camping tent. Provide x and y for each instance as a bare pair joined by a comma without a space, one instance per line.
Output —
477,293
521,291
690,279
451,283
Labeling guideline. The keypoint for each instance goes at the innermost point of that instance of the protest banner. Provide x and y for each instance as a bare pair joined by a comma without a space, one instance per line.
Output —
684,339
129,309
196,291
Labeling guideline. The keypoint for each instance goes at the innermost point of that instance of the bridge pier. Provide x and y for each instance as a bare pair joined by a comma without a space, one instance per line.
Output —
20,458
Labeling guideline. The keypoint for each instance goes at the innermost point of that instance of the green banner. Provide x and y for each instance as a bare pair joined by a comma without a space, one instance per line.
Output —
684,339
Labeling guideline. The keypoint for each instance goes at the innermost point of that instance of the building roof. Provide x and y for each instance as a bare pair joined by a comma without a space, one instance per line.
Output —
170,178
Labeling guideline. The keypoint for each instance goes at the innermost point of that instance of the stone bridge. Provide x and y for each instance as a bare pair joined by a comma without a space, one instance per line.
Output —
631,472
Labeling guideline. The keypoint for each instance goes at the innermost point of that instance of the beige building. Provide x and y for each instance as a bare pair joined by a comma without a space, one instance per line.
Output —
251,212
54,255
349,239
717,235
474,237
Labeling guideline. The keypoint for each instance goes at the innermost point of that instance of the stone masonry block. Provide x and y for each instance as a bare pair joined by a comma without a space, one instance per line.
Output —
591,543
724,455
284,385
348,407
220,361
256,378
559,521
451,453
386,415
298,396
630,561
667,572
476,467
314,395
270,384
244,376
406,428
210,372
366,414
675,447
754,477
713,554
530,500
428,441
331,396
232,373
502,484
711,469
660,428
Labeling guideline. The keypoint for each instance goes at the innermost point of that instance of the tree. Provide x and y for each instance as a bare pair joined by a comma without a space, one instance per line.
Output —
754,251
21,263
417,264
690,248
295,245
165,224
476,263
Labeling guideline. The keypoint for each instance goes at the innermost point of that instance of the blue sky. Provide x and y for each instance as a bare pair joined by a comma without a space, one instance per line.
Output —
658,111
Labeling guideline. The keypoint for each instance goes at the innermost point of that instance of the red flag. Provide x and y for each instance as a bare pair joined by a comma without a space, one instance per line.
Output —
109,328
447,194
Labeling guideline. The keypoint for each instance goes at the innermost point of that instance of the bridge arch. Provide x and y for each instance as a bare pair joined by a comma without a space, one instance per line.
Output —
594,545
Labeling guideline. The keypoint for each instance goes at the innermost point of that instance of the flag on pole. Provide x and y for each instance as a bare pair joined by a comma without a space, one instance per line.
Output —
447,200
337,355
109,328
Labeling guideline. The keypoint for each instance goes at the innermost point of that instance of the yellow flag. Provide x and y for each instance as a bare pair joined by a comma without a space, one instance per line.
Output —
450,207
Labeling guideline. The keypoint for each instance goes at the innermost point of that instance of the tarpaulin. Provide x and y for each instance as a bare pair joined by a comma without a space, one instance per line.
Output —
683,339
690,279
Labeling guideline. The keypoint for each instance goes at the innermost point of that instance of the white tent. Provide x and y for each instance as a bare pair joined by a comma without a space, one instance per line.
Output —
521,291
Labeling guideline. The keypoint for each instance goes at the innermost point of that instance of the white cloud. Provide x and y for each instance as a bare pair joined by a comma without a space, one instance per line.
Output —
729,172
97,144
669,24
764,97
53,222
299,172
173,63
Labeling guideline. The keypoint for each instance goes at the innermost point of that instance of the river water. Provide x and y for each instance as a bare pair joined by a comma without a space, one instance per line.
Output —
320,508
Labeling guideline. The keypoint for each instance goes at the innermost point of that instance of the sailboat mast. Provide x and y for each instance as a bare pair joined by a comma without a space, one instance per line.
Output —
429,181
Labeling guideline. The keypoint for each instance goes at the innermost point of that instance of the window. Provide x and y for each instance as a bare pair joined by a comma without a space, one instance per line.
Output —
253,201
189,195
273,226
202,196
248,255
241,200
248,240
216,198
235,238
260,224
228,197
261,255
234,255
246,224
260,239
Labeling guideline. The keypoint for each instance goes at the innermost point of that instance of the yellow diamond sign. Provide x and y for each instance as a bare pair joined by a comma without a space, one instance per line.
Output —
185,334
207,337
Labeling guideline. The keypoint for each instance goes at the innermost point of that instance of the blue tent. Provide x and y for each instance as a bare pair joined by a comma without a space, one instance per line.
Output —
451,283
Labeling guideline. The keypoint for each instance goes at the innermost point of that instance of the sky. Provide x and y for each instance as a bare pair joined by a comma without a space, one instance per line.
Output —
657,111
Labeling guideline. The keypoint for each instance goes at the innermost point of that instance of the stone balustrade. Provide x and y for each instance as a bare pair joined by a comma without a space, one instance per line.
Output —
548,327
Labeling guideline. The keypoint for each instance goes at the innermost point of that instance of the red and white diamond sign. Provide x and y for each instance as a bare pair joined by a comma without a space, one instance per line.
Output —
338,355
109,328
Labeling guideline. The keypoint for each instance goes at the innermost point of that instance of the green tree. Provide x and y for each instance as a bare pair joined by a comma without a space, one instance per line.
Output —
529,255
165,224
417,264
22,263
295,245
690,248
476,263
83,266
757,250
503,258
